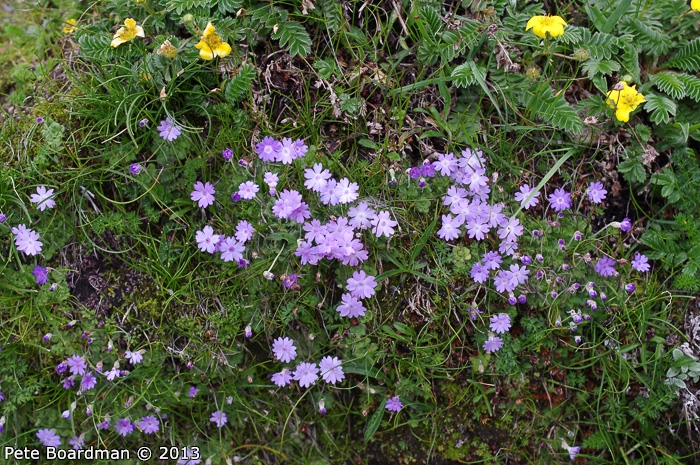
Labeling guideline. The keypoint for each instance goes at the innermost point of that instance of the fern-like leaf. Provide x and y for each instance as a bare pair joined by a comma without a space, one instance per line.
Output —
595,67
239,85
464,76
669,83
649,34
179,6
630,60
228,6
692,86
294,38
687,58
599,45
551,108
431,21
661,108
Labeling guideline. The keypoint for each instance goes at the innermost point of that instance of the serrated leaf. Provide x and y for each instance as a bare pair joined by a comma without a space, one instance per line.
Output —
692,86
464,75
687,58
374,421
661,108
553,109
669,83
596,66
240,84
431,21
633,171
294,38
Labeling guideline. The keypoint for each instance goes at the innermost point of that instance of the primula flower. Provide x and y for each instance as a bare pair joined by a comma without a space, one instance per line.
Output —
500,323
48,437
479,273
284,349
596,192
383,224
541,25
450,228
641,262
219,418
192,392
149,424
523,195
88,382
168,129
43,198
605,266
347,191
267,148
560,200
361,216
282,378
41,274
286,152
247,190
134,168
306,374
244,231
393,404
124,427
77,365
127,33
331,370
211,45
626,225
493,343
207,240
361,285
624,99
77,443
134,357
203,194
351,307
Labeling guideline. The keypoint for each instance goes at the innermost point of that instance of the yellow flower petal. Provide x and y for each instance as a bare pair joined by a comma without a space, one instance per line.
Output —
69,27
223,49
624,99
130,23
211,45
695,5
541,25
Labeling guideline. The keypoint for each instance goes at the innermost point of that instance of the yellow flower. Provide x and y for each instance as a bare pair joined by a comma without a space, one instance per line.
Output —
128,32
541,25
69,27
695,5
211,45
624,99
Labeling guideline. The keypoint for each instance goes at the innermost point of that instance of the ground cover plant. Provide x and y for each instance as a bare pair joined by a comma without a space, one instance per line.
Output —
350,232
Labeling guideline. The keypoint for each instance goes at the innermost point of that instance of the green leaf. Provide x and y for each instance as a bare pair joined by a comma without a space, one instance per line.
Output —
374,421
595,66
553,109
633,171
692,86
239,85
614,18
294,38
464,76
661,108
687,58
669,83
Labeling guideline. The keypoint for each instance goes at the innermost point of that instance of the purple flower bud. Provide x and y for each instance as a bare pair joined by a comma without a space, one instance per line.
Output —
227,154
61,368
561,241
235,197
587,317
578,235
578,318
47,337
539,257
134,168
242,163
3,217
53,287
626,225
273,191
578,339
540,273
574,329
557,323
565,267
572,290
562,247
66,414
560,215
322,410
39,120
603,297
421,184
84,335
522,299
559,279
554,294
248,332
630,287
190,365
525,260
592,293
536,233
89,340
575,286
512,300
242,263
143,122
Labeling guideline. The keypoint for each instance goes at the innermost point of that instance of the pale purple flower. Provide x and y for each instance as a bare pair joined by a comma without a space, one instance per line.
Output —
285,153
500,323
511,231
187,459
493,343
77,365
66,414
306,374
361,216
361,285
231,249
124,427
244,231
247,190
227,154
605,266
207,240
27,240
347,191
288,280
203,194
219,418
284,349
479,273
331,369
573,451
596,192
427,170
105,424
522,197
267,148
492,260
300,148
77,442
450,228
393,404
445,164
560,200
112,374
383,224
40,274
134,357
68,382
316,177
169,130
271,179
329,195
351,307
289,201
149,424
640,262
630,287
43,198
48,437
518,274
88,382
476,179
626,225
477,228
192,392
3,217
282,378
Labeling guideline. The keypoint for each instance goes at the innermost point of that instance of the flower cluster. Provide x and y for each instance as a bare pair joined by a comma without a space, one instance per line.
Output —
27,240
306,373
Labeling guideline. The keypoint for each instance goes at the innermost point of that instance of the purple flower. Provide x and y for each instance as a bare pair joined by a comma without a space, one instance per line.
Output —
88,382
383,224
300,148
596,192
2,396
105,424
414,172
351,307
450,228
244,231
573,451
287,203
27,240
143,122
427,170
149,424
306,374
393,404
48,437
134,168
492,260
61,368
523,195
43,198
493,343
500,323
169,130
77,442
316,177
219,418
282,378
193,391
41,275
347,191
361,285
288,280
286,152
227,154
68,382
66,414
605,266
331,370
640,262
77,365
522,299
284,349
626,225
3,217
560,200
479,273
207,240
39,120
124,427
511,231
231,249
267,149
630,287
203,194
271,179
134,357
247,190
